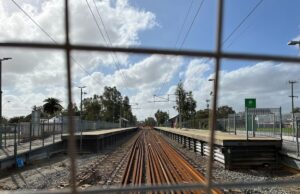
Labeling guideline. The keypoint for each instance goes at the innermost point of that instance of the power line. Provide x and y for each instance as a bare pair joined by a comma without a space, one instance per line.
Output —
107,42
184,22
241,23
49,36
237,27
115,56
186,34
191,25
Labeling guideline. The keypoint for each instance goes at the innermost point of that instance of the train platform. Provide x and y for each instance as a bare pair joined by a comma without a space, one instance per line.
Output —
224,139
234,151
94,141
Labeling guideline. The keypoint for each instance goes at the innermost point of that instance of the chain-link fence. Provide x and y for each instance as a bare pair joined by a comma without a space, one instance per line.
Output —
26,136
218,55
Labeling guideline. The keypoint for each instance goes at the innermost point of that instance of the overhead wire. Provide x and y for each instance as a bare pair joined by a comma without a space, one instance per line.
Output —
115,56
186,34
51,38
191,25
236,28
230,35
184,22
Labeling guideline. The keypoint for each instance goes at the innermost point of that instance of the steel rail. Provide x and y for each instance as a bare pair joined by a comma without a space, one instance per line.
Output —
164,165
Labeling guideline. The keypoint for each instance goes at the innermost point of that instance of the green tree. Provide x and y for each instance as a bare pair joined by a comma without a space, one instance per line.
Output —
111,100
297,109
150,121
52,106
92,107
65,112
16,119
127,111
161,117
224,111
186,105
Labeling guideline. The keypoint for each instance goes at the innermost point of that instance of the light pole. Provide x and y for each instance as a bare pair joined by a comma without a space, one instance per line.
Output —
3,59
292,96
81,87
294,42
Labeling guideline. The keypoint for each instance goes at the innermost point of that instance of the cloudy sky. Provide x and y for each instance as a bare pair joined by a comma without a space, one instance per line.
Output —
256,26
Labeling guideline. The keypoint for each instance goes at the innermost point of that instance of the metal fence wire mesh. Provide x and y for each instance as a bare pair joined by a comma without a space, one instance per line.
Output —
218,55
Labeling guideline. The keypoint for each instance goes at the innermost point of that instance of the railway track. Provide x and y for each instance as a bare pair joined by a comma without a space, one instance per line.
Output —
153,161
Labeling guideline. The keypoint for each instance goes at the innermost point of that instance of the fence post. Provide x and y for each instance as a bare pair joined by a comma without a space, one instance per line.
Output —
1,133
5,135
234,123
62,126
15,144
252,118
246,116
297,135
274,124
30,134
43,133
19,132
53,132
280,123
80,145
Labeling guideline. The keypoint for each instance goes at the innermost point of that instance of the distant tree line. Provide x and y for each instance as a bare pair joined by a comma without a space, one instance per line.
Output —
110,107
186,107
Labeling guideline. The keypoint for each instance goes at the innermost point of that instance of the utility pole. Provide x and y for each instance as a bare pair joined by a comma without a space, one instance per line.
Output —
3,59
292,96
80,116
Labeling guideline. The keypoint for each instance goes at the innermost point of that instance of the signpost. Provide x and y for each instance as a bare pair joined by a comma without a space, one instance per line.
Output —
249,103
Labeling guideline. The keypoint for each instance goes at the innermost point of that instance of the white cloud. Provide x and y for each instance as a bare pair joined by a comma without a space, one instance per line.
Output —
265,81
34,75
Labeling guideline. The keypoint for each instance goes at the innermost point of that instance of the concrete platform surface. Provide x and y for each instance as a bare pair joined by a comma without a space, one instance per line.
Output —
224,139
97,133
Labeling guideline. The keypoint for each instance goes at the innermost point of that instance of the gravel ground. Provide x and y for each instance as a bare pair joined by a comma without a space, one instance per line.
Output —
104,168
107,167
250,175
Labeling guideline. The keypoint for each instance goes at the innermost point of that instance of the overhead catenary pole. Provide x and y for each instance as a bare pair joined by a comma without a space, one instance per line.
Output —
81,87
292,97
3,59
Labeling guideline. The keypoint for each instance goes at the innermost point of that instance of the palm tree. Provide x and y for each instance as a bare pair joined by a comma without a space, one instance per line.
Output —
52,106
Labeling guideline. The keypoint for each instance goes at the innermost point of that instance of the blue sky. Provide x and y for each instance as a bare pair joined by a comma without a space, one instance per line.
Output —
143,23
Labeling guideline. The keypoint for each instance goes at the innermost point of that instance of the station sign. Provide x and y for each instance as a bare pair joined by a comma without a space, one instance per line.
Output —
250,103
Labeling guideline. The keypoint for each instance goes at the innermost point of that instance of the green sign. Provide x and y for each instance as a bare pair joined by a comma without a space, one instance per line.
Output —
250,103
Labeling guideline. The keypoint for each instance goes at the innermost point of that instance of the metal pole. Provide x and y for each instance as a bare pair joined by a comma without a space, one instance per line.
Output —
234,123
5,135
53,132
292,96
43,133
30,126
80,145
252,118
62,126
246,116
19,131
297,136
1,103
80,122
274,118
15,145
1,119
280,123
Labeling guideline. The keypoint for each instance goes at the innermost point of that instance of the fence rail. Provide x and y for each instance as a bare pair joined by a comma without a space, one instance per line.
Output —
218,55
